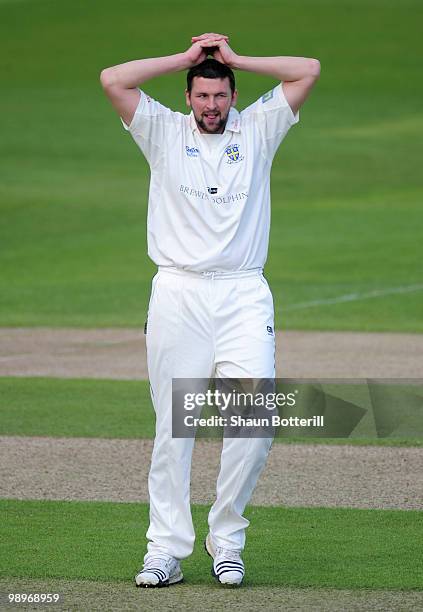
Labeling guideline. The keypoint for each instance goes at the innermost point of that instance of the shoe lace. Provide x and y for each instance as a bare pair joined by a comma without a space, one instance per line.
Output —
228,554
156,562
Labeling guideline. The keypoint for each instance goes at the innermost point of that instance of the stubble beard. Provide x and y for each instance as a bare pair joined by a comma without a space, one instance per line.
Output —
218,128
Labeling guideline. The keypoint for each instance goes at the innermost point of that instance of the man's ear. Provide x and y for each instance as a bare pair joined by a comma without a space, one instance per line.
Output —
234,98
187,98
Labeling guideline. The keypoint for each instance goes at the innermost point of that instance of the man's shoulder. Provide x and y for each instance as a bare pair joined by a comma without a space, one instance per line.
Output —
268,100
151,106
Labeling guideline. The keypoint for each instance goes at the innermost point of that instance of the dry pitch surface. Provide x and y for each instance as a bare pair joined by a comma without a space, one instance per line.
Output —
295,474
120,354
85,595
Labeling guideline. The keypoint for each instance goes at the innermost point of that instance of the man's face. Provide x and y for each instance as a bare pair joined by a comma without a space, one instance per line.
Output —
211,101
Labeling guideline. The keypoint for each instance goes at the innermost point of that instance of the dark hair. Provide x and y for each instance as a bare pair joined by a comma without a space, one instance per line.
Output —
211,69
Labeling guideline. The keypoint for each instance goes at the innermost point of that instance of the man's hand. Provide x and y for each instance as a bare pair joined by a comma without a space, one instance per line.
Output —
195,54
217,46
224,54
209,35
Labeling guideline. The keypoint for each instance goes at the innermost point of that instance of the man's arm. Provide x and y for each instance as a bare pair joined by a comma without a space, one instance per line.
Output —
120,82
298,74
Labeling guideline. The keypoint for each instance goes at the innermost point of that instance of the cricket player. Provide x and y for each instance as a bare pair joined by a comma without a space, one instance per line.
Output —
211,309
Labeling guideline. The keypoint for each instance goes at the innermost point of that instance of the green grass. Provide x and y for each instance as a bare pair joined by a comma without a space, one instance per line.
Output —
76,408
291,547
347,185
122,409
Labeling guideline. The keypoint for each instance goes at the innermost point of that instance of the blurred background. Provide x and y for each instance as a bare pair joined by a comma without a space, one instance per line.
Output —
346,240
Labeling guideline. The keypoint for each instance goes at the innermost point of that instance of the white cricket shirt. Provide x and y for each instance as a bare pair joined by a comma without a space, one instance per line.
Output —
209,199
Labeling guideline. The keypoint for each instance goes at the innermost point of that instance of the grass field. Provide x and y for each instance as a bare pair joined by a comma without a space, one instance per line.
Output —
347,185
123,409
318,547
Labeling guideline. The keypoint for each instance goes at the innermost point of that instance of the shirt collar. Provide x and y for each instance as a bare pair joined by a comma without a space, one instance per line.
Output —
233,123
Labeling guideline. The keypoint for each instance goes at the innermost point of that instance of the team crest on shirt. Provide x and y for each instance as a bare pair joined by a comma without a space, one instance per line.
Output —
233,156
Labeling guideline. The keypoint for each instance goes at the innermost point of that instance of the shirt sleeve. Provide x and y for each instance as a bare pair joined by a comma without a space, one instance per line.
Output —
151,127
273,117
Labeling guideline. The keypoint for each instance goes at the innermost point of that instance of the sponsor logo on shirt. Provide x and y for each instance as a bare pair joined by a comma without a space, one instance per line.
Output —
212,189
227,198
192,151
267,96
233,156
269,330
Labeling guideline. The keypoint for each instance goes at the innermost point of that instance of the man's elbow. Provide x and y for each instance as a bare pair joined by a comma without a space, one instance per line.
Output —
107,78
314,68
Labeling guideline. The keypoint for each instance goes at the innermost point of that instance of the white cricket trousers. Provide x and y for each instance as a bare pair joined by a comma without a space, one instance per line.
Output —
203,325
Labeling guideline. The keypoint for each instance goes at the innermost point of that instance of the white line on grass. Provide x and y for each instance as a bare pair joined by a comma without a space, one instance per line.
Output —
354,297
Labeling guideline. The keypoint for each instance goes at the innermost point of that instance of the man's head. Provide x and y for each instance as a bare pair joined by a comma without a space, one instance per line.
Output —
210,93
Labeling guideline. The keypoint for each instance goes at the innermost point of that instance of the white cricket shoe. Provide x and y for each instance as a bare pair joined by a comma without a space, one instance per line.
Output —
159,572
228,567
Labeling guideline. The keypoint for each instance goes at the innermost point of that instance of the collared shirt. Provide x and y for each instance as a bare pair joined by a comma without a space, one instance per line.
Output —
209,198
